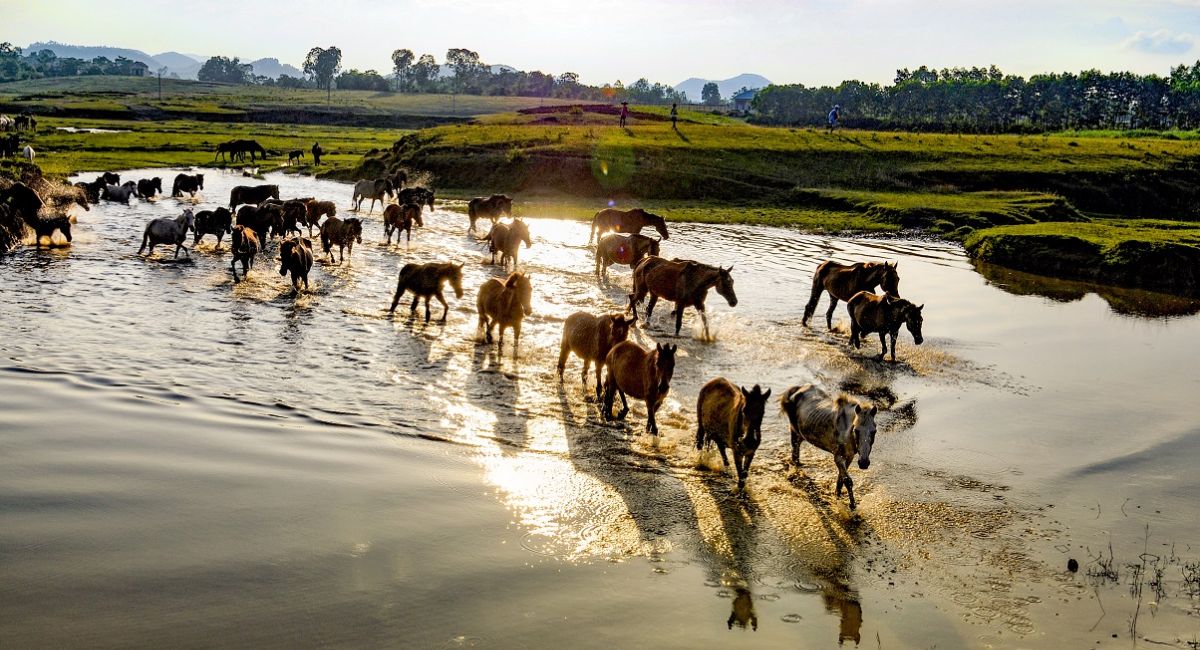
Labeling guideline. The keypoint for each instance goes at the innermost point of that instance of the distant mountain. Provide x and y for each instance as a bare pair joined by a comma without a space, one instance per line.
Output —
273,68
178,60
694,86
89,52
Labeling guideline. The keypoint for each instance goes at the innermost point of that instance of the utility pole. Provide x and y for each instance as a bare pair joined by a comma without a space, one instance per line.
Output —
160,74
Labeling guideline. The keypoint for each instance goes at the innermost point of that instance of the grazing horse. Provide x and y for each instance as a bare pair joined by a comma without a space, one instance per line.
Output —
419,195
884,314
46,227
238,149
683,282
168,231
296,257
379,189
490,208
843,281
28,153
120,194
640,374
212,222
591,337
425,281
342,233
9,145
293,157
400,218
316,210
148,187
621,249
243,194
262,219
505,304
731,417
843,426
25,121
506,239
244,246
626,221
190,183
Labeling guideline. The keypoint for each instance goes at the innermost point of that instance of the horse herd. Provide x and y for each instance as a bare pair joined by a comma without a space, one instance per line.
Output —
727,416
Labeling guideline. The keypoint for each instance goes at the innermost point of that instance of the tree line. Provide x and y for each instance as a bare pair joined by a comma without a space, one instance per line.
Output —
16,66
985,100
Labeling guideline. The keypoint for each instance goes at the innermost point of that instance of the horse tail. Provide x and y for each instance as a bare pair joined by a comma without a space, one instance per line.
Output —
699,424
818,286
592,231
788,404
145,240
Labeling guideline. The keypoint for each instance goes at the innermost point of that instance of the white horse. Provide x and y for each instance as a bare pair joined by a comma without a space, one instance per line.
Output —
6,123
168,231
376,190
843,426
28,153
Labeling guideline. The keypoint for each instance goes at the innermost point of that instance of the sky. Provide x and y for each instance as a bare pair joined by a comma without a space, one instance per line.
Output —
809,42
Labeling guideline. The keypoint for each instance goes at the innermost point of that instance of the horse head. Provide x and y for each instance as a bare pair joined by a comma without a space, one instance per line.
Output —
521,229
655,246
619,327
752,415
658,222
355,226
913,320
199,181
505,203
664,366
890,279
189,220
456,279
856,429
725,285
519,282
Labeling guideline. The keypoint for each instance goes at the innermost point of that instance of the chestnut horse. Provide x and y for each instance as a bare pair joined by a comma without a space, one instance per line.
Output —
626,221
640,374
683,282
884,314
731,417
843,281
621,249
505,304
400,218
591,337
506,239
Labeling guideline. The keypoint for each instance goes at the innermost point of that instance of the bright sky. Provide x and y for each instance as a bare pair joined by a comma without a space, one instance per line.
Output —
801,41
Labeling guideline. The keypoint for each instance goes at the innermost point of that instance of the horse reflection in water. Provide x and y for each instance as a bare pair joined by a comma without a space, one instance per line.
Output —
743,611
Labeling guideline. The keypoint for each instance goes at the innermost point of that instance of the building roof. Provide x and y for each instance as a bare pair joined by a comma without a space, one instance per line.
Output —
745,95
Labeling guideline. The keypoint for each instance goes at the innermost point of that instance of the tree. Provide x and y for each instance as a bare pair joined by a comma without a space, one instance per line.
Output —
323,65
711,94
466,67
424,72
402,62
223,70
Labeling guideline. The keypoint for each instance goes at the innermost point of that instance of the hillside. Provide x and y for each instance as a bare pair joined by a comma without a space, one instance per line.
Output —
694,86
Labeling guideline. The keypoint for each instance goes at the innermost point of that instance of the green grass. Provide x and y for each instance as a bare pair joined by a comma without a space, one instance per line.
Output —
1106,233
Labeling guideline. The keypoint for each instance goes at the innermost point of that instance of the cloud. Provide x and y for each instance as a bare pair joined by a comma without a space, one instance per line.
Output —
1160,42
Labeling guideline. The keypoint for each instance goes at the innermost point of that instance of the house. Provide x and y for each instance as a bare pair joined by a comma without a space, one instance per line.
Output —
138,69
741,101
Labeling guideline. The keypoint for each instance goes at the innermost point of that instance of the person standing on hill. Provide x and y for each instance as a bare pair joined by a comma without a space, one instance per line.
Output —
834,116
316,153
624,113
674,115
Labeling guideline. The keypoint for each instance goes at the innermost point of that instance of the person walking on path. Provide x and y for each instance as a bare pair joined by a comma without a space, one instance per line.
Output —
674,115
834,116
624,113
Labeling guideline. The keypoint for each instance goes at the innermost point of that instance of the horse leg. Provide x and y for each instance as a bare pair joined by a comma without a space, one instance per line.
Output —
426,309
624,405
883,343
724,458
651,407
598,365
796,442
516,338
833,302
678,318
610,390
703,319
445,307
855,331
233,267
650,306
894,335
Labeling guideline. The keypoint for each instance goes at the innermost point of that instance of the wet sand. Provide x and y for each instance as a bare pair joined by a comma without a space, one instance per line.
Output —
188,462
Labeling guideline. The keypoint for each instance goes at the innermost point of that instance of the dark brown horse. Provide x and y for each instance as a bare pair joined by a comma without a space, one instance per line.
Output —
244,246
190,183
342,233
212,222
296,257
401,218
243,194
884,314
591,337
262,219
491,208
425,281
506,239
640,374
626,221
419,195
731,417
92,189
44,228
148,187
622,249
683,282
843,281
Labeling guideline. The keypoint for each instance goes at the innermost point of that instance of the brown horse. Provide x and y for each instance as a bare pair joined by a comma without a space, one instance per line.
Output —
626,221
400,218
342,233
506,239
640,374
731,417
490,208
884,314
843,281
425,281
419,195
683,282
627,250
296,257
591,337
245,194
244,246
44,228
505,304
316,210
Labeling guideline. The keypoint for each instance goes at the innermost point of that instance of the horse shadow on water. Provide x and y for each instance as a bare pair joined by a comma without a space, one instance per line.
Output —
498,391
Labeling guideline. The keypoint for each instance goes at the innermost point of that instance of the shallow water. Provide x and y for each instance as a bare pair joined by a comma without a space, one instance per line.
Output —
188,461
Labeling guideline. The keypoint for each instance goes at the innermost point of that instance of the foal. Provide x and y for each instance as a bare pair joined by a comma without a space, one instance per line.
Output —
425,281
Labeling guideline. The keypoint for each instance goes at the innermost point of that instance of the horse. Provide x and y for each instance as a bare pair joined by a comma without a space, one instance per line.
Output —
506,239
6,123
110,178
25,121
190,183
244,245
46,227
627,250
9,145
168,231
626,221
262,219
92,189
293,212
884,314
120,194
591,337
71,194
238,149
28,153
148,187
683,282
505,304
316,210
398,179
398,218
490,208
342,233
243,194
843,281
640,374
295,156
24,200
296,257
379,189
212,222
425,281
419,195
841,425
731,417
